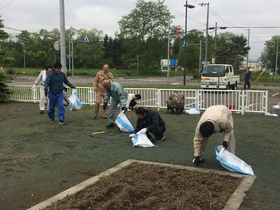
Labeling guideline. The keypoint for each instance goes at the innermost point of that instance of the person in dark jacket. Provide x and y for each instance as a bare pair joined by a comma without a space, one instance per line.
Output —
149,121
247,78
54,89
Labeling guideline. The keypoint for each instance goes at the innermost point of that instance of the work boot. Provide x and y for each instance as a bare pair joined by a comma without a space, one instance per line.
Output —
96,109
105,113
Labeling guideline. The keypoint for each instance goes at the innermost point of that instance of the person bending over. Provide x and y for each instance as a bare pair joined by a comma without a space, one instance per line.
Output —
149,121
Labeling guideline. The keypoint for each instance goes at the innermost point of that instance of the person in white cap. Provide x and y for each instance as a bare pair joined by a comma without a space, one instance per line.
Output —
247,78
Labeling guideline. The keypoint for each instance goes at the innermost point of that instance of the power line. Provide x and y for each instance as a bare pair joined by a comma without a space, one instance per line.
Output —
13,29
7,5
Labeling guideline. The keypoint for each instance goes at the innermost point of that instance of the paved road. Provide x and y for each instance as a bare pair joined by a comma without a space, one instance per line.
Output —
274,97
177,80
84,80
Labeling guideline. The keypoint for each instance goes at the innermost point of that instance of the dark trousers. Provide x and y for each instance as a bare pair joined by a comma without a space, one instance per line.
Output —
157,132
247,83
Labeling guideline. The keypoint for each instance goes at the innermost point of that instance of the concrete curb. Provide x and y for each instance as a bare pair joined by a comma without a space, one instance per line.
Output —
233,203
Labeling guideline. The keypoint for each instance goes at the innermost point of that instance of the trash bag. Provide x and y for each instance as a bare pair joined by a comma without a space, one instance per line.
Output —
192,111
141,140
231,162
75,103
123,123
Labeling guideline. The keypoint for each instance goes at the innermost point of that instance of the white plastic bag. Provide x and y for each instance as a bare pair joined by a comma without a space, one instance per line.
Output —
192,111
75,103
123,123
141,140
231,162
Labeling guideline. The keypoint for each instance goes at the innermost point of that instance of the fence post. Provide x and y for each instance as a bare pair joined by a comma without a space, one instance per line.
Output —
158,98
91,100
34,94
242,102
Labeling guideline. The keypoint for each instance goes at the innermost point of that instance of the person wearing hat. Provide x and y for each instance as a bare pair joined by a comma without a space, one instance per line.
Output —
119,96
215,119
247,78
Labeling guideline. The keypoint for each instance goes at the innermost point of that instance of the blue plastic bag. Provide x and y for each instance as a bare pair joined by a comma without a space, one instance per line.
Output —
232,162
123,123
75,103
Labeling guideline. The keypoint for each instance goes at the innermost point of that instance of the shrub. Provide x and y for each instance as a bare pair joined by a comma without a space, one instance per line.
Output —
5,92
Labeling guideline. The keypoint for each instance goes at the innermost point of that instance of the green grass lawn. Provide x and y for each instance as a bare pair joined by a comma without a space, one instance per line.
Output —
40,159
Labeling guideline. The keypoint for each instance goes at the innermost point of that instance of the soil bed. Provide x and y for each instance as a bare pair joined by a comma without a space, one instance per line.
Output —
141,186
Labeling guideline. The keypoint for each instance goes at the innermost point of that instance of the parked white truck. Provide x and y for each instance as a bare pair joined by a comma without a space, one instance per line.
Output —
219,76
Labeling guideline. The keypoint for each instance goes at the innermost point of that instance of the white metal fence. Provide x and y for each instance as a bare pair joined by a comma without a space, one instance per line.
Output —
237,100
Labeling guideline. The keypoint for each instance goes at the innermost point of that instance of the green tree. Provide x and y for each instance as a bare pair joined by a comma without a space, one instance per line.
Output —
88,55
231,49
148,21
192,50
268,56
3,37
5,92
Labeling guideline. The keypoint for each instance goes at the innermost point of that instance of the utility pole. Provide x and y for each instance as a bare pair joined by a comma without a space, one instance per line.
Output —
69,53
215,43
276,59
168,52
206,38
248,50
185,38
62,37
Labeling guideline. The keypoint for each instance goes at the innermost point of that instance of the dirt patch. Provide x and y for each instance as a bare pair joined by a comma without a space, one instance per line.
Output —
149,186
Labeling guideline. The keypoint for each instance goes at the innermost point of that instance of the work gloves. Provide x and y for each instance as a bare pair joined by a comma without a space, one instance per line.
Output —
46,93
73,87
104,106
225,144
124,109
142,131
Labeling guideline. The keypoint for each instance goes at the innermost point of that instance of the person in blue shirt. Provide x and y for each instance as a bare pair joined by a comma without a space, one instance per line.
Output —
54,90
247,78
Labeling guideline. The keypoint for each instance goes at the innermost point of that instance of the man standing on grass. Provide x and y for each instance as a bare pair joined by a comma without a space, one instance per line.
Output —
54,88
247,78
99,89
215,119
41,81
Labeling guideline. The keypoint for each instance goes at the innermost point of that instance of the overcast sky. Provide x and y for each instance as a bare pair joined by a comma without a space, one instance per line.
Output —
33,15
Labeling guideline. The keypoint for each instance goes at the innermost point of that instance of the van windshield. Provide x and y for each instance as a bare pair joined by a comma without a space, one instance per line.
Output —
214,71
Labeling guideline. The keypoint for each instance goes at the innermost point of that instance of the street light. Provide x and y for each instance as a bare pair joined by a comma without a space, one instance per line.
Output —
215,41
206,39
185,42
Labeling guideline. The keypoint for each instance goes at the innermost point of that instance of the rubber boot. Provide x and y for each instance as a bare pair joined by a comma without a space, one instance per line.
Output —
96,109
105,113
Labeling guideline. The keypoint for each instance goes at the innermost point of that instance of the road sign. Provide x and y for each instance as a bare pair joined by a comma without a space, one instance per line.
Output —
184,44
86,39
56,45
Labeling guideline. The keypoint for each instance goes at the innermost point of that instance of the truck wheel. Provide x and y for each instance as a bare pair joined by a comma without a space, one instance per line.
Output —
234,87
228,86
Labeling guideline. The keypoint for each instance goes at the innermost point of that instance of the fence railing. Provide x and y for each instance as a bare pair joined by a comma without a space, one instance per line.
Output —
237,100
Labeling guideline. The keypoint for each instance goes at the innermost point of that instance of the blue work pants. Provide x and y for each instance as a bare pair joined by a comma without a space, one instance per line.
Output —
56,99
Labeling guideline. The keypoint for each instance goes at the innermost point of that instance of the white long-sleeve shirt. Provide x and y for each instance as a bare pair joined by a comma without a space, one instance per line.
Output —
129,99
